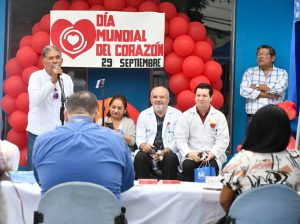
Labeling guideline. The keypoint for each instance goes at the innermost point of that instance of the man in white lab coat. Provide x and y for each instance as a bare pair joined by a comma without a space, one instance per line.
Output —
155,138
201,134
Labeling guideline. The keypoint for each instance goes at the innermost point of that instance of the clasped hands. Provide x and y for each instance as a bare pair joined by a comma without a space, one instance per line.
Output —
149,148
194,155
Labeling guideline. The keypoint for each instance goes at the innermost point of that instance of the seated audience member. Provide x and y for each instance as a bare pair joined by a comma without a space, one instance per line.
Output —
263,158
82,150
155,137
10,154
202,134
118,120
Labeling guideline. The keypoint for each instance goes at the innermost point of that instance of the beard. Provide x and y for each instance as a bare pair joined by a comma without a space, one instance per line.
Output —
158,107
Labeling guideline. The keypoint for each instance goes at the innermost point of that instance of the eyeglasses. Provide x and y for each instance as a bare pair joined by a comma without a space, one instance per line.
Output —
55,95
262,54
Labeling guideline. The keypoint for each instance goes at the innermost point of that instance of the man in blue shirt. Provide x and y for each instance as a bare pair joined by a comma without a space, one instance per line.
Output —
82,150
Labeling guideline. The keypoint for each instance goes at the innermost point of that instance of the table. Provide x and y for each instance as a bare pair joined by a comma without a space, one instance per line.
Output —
185,203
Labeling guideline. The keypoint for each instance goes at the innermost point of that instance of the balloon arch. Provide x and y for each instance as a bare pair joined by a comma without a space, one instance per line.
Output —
188,60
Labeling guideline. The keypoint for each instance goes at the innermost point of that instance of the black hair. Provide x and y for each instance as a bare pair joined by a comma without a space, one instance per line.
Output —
270,48
269,131
204,85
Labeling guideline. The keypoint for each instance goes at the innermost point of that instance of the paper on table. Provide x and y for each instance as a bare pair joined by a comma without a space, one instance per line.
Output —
22,177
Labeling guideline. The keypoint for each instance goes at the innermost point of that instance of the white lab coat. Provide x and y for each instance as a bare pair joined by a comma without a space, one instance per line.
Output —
192,134
146,128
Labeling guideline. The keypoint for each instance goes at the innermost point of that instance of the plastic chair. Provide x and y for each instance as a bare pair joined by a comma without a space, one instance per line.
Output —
274,203
77,203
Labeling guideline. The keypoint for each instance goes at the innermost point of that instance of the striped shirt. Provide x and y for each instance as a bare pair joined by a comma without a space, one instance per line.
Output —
276,80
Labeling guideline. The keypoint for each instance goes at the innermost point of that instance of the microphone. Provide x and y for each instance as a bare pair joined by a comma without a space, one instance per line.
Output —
56,66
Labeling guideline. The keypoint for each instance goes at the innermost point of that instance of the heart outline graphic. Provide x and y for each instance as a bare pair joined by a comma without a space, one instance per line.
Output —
62,30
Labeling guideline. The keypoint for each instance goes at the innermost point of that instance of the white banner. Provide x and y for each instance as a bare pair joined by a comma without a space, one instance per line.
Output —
109,39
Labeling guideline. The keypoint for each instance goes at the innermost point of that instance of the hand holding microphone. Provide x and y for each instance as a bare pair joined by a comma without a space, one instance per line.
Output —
56,72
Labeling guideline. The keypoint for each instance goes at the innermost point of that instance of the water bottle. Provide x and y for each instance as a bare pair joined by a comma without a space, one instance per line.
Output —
154,163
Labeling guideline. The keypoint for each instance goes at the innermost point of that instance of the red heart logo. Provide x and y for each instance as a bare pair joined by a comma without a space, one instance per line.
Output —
75,39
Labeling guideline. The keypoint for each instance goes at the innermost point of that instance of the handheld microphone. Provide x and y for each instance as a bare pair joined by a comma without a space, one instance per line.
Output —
56,66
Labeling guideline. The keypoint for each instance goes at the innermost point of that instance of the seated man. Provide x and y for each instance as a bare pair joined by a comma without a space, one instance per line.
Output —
202,134
82,150
155,137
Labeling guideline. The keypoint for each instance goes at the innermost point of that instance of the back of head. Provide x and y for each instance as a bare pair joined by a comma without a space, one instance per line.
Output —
82,102
269,130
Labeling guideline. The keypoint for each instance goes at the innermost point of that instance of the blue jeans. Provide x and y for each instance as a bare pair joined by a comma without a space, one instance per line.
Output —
30,143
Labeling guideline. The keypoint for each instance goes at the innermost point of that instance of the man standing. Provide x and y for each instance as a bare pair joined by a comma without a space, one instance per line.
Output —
45,97
202,134
264,84
155,137
82,150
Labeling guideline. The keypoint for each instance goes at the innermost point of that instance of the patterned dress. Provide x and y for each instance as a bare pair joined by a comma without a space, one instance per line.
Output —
248,169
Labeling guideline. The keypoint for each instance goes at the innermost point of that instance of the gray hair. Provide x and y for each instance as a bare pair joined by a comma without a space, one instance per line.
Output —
82,102
50,48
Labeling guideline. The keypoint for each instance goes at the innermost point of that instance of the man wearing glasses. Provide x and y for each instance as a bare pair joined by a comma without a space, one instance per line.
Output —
45,97
155,138
264,84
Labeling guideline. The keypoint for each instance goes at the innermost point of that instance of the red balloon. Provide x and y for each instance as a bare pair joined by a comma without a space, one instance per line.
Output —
197,31
39,62
17,138
183,45
114,5
61,5
173,63
203,50
23,157
79,5
217,99
210,41
193,66
156,2
27,73
169,9
185,99
217,84
18,120
8,104
168,46
26,56
95,2
45,23
134,3
39,40
178,26
166,27
184,16
212,70
130,9
15,85
148,6
35,28
12,67
22,102
178,83
197,80
25,41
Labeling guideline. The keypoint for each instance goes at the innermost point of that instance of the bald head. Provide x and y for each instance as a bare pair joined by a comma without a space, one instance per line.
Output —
160,100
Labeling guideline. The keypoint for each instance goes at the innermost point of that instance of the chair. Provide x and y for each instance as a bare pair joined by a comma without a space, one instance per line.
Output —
77,203
274,203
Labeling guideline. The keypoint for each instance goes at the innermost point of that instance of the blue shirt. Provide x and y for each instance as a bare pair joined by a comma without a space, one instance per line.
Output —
83,151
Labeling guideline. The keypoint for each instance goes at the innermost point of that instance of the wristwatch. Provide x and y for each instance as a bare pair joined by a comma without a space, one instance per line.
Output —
257,86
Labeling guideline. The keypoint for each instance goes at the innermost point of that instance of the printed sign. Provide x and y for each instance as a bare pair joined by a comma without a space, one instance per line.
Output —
109,39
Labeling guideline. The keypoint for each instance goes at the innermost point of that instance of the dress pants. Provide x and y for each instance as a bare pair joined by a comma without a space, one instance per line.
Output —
143,166
188,167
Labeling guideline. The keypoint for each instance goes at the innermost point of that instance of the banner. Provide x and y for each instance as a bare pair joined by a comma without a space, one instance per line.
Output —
109,39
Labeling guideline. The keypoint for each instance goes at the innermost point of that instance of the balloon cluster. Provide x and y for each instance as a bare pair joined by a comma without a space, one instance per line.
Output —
188,60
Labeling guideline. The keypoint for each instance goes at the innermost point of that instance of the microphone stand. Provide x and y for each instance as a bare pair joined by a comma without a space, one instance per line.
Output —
103,103
62,99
